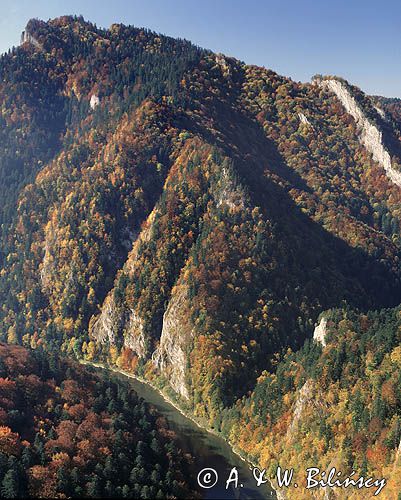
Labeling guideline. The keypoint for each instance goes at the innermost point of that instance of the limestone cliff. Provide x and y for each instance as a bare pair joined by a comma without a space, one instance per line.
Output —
226,192
305,397
319,334
309,400
105,327
176,337
47,264
115,318
370,136
113,321
134,337
303,119
26,37
94,101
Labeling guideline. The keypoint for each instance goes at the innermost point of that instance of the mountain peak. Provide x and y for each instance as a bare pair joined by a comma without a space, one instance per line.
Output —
188,217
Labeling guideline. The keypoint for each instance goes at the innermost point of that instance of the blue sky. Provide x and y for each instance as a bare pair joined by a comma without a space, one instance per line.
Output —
359,40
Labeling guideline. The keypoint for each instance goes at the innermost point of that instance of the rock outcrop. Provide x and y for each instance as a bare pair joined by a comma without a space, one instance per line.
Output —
319,334
26,37
105,326
381,112
94,101
227,192
177,334
134,337
47,265
370,135
303,119
309,399
305,396
112,321
116,319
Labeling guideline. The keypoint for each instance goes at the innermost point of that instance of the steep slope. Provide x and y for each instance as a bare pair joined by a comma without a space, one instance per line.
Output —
32,120
368,121
47,85
195,218
391,107
76,48
253,232
331,405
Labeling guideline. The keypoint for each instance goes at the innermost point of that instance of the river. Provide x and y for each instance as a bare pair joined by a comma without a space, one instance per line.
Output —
208,450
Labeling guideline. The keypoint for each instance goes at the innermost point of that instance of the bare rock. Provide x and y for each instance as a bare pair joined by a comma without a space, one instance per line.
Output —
227,192
176,337
303,119
26,37
319,334
105,326
370,136
134,337
94,101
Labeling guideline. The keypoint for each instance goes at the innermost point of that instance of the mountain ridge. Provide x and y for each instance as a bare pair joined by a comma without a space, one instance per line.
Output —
195,224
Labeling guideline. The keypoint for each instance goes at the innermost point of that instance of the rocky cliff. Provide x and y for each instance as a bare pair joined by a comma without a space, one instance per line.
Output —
370,136
171,356
27,37
319,334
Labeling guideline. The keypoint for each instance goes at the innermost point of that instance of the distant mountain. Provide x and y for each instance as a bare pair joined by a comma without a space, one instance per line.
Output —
191,218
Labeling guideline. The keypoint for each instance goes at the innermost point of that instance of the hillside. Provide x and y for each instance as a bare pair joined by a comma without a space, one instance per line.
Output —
67,433
188,217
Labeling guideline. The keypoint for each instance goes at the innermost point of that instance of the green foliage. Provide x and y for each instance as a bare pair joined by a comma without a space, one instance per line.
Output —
83,450
204,209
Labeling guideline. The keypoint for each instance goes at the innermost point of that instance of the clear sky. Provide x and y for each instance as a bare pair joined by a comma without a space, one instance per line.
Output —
359,40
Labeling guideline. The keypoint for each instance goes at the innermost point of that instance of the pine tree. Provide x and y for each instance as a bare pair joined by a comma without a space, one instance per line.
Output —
94,487
126,492
9,485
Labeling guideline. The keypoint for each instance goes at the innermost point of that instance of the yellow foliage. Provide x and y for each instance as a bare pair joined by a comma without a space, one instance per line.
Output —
90,351
12,337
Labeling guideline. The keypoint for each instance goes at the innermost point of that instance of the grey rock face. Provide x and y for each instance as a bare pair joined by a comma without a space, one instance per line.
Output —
171,355
319,334
370,135
26,37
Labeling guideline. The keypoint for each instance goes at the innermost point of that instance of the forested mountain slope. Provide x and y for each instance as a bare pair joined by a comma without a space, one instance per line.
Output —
189,217
66,433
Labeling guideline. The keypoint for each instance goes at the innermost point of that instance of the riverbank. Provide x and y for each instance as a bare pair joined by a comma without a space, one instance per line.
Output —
185,414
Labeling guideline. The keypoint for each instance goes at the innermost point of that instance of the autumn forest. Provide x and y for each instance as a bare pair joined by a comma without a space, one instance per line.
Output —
225,233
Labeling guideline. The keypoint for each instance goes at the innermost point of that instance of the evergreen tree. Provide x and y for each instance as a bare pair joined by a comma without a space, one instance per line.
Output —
9,485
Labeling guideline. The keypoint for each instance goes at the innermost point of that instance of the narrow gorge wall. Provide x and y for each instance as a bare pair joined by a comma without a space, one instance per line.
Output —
171,357
114,321
370,135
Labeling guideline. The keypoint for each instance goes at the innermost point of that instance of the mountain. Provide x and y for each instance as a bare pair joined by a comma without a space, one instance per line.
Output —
193,219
